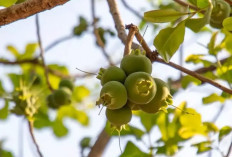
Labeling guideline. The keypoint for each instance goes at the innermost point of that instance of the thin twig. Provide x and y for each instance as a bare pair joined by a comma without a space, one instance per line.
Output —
30,125
229,150
187,5
119,24
58,42
42,52
154,58
132,10
129,40
97,36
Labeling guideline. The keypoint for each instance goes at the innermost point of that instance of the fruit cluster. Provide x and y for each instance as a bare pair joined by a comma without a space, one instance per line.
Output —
131,87
61,96
221,10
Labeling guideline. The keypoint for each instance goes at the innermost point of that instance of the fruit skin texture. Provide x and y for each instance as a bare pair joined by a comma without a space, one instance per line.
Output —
120,116
66,83
62,96
221,10
113,95
50,102
136,61
112,73
161,100
141,87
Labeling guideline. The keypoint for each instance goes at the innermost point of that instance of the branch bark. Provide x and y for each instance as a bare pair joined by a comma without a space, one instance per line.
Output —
26,9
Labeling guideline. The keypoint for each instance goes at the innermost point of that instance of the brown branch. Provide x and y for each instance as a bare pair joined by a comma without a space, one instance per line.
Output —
42,52
26,9
119,24
229,150
99,146
153,57
97,36
186,4
129,40
30,125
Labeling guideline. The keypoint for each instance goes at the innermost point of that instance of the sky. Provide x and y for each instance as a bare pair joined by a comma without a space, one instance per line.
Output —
82,53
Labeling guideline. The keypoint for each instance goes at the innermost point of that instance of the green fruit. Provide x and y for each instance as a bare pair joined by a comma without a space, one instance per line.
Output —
136,62
66,83
62,96
161,100
141,87
133,106
113,73
120,116
113,95
221,10
50,102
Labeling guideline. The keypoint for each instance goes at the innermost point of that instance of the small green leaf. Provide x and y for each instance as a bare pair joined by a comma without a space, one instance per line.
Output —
59,129
1,89
197,24
29,51
213,98
169,40
165,15
132,150
202,3
211,127
211,44
203,146
13,50
7,3
80,92
5,153
4,111
227,23
79,29
162,122
85,142
148,120
198,58
186,80
224,131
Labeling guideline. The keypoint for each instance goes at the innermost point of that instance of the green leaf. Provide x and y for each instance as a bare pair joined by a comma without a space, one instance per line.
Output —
42,120
169,40
5,153
13,50
15,78
148,120
165,15
80,92
29,51
128,130
72,112
211,127
203,146
162,122
198,58
224,131
227,23
2,91
132,150
202,3
81,27
7,3
59,129
197,24
4,111
186,80
211,45
213,98
85,142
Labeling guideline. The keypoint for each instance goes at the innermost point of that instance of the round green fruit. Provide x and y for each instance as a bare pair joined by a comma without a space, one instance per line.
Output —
50,102
66,83
113,95
120,116
62,96
161,100
221,10
141,87
132,105
112,73
135,62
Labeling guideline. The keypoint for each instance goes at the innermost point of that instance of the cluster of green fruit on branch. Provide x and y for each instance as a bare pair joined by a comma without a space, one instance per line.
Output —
131,87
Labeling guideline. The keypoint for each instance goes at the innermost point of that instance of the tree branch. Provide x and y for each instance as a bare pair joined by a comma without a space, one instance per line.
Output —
42,52
26,9
30,125
100,144
129,41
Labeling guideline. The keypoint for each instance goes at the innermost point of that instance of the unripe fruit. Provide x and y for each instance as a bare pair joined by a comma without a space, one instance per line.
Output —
62,96
66,83
135,62
141,87
161,100
120,116
132,105
113,95
50,102
221,10
112,73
